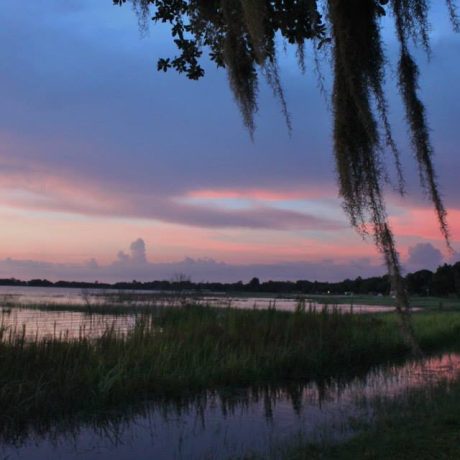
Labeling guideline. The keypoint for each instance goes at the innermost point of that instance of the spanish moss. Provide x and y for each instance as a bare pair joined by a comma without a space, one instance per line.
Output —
241,65
415,110
242,37
454,19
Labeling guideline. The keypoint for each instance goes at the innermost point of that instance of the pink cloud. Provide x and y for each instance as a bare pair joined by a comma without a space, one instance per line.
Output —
422,223
262,194
36,189
259,232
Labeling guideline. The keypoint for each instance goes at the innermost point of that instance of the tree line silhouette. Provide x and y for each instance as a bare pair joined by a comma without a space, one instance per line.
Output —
444,281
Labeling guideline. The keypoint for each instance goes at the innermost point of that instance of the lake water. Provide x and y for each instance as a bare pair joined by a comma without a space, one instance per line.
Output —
219,426
35,324
72,296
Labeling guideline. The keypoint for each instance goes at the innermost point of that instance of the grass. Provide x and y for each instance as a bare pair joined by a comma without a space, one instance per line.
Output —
424,425
430,303
180,351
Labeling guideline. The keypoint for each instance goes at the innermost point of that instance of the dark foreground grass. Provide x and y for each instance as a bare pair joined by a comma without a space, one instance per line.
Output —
424,426
180,351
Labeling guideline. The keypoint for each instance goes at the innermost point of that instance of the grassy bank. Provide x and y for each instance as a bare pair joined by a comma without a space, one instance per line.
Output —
424,425
430,303
179,351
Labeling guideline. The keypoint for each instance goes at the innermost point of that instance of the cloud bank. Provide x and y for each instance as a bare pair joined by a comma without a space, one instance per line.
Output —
136,266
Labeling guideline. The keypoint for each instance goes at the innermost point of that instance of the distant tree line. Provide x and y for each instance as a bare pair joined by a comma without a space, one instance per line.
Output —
444,281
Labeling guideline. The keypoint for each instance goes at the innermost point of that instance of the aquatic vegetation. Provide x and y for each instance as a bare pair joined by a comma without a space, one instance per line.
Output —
183,350
422,423
277,414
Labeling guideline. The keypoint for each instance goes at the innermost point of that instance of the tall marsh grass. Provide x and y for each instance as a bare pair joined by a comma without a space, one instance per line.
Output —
182,350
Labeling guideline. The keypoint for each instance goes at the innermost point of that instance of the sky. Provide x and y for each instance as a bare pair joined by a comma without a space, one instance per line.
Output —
110,170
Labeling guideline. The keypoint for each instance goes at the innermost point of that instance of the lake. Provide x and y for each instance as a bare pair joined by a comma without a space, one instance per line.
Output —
76,322
35,324
73,296
211,425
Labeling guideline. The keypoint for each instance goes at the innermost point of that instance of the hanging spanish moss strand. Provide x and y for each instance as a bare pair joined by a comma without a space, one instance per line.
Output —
408,76
382,108
376,81
454,19
312,7
358,76
320,79
301,60
142,10
255,16
392,262
240,65
357,70
271,73
415,113
412,16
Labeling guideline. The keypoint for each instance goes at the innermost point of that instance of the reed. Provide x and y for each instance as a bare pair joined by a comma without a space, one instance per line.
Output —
183,350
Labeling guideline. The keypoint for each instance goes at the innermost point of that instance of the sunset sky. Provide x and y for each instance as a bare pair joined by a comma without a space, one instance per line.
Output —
110,170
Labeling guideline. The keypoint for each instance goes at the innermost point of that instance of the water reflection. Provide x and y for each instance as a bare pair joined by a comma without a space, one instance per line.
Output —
218,425
34,324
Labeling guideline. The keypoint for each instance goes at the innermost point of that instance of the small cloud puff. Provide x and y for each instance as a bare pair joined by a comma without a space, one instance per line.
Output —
137,256
424,255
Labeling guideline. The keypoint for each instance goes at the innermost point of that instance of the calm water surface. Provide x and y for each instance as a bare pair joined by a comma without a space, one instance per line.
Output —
218,426
65,325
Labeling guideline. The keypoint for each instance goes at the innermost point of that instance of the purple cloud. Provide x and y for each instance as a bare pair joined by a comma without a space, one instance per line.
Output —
136,266
424,255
